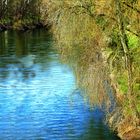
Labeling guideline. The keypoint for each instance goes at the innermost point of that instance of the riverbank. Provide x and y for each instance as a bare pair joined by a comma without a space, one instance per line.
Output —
124,119
21,25
126,126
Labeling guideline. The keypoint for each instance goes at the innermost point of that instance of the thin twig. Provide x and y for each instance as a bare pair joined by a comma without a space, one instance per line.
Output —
130,6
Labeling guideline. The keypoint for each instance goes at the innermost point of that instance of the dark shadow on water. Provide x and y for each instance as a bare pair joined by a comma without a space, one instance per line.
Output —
96,129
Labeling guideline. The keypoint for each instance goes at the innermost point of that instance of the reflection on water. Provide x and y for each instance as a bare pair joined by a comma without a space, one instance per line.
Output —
36,100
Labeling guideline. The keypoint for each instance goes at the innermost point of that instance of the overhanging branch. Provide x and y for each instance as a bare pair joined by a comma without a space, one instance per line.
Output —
133,8
132,32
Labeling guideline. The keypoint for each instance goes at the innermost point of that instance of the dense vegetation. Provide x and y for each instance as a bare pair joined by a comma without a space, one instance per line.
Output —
20,14
101,41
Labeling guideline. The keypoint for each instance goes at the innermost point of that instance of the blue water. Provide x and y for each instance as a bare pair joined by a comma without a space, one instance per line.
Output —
38,96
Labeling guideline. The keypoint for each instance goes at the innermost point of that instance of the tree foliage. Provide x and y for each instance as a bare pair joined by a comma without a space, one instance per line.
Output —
19,12
91,32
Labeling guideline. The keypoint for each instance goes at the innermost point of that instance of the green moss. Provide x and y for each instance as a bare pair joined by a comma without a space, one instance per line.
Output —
122,81
133,41
138,107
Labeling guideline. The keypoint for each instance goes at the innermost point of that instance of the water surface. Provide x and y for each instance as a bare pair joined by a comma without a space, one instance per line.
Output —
38,96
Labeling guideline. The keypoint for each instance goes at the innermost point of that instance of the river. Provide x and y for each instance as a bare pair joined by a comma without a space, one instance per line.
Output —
38,95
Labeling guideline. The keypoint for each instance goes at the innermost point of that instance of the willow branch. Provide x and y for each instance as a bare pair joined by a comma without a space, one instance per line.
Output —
133,8
132,32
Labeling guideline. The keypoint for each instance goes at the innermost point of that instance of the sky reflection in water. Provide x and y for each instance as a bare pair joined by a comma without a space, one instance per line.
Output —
36,100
